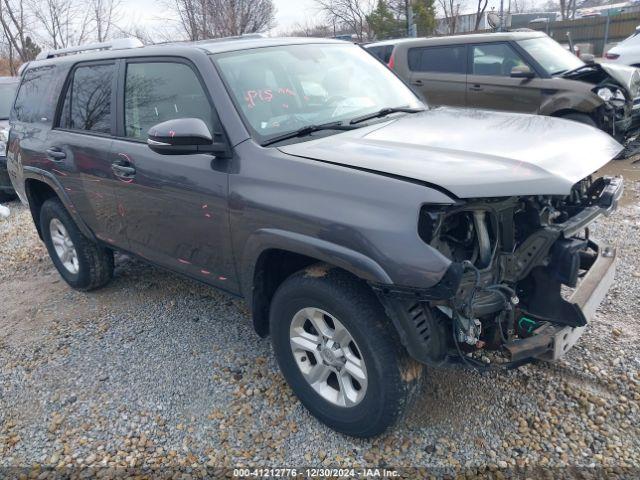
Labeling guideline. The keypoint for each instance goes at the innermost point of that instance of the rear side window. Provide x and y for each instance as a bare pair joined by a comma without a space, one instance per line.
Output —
159,91
495,59
87,104
446,59
36,99
383,52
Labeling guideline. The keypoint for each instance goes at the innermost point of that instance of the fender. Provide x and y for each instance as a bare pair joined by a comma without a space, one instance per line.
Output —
34,173
578,102
325,251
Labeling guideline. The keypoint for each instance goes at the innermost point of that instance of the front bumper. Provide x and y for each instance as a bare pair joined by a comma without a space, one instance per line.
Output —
551,342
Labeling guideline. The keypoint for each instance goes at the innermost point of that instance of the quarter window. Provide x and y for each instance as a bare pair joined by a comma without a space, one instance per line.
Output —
87,104
446,59
157,92
495,59
35,102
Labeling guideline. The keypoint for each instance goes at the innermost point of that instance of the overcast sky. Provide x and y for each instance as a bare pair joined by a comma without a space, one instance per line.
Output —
151,12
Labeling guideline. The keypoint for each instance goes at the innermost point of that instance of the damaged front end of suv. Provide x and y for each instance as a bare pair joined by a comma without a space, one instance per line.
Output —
525,276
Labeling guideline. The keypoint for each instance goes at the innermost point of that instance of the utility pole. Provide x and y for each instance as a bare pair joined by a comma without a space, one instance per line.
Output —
501,27
411,26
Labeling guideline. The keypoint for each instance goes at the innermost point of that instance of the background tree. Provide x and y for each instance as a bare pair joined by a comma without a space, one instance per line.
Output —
480,9
424,12
383,23
451,10
104,16
350,15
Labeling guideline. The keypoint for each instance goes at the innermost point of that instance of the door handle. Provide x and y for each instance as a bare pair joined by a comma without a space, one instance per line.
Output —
121,170
418,83
475,88
55,154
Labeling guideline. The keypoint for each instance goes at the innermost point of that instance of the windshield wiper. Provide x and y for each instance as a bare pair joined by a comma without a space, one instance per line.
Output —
383,113
308,130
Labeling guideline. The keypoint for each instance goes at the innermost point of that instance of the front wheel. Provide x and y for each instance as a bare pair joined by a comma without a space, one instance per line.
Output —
338,351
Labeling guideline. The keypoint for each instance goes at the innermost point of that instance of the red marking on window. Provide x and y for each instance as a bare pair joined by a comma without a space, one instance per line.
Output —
68,189
205,206
222,278
121,210
172,133
208,215
59,172
186,262
205,272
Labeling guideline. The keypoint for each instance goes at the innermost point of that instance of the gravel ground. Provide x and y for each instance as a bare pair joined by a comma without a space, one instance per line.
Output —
156,370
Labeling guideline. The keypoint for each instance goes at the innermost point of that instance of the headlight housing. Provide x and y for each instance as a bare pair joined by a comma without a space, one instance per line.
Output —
605,94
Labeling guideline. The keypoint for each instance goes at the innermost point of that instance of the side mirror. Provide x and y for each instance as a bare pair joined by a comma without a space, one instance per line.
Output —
588,58
522,71
183,136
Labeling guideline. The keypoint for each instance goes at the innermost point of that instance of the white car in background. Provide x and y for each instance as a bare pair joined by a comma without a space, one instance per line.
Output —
626,52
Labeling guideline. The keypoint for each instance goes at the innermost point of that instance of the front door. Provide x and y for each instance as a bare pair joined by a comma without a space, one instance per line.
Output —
174,207
489,82
439,73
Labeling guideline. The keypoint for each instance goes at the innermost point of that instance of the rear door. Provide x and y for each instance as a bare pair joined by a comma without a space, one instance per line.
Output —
174,206
489,81
79,148
439,73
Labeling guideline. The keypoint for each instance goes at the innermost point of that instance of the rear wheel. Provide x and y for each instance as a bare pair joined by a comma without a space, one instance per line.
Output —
82,263
338,352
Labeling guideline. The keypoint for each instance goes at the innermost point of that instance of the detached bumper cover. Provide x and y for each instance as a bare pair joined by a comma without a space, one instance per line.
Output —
551,342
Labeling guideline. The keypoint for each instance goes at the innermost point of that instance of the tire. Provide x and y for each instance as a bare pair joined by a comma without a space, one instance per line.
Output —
580,118
331,296
92,265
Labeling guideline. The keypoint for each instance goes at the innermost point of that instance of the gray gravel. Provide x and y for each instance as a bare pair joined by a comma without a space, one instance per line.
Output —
158,370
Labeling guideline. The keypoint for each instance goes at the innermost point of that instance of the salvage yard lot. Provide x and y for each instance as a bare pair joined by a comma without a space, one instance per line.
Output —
157,370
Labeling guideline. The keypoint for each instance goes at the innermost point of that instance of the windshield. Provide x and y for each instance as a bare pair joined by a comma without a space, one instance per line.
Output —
7,93
550,55
285,88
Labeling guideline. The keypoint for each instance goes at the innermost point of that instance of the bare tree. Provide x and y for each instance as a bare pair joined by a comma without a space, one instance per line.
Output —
202,19
481,7
451,10
310,28
104,16
13,19
63,22
348,14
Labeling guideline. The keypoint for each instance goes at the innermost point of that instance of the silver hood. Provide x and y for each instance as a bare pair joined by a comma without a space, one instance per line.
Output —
472,153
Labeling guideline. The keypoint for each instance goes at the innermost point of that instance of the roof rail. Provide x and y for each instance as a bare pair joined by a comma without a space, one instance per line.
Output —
116,44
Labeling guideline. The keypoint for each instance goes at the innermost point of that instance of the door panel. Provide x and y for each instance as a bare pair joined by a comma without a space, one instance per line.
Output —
174,207
80,147
439,74
489,81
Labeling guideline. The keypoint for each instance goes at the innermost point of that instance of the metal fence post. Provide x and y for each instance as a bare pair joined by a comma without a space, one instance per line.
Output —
606,34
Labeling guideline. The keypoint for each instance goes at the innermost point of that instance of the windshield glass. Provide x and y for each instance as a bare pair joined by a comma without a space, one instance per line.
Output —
551,55
285,88
7,93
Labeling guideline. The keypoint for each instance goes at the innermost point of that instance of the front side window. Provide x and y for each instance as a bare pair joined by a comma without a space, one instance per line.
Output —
284,88
551,55
35,102
497,59
446,59
87,104
157,92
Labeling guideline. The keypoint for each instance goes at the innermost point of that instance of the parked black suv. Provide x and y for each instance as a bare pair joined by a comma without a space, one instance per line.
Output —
8,86
364,230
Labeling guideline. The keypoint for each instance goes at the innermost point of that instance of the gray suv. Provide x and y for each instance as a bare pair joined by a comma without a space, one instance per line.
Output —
368,234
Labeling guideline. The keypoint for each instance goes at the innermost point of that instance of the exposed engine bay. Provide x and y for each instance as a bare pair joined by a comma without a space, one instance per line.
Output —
512,259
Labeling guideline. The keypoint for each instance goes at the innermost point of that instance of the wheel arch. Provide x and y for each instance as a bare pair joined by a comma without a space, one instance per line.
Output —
273,255
39,186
